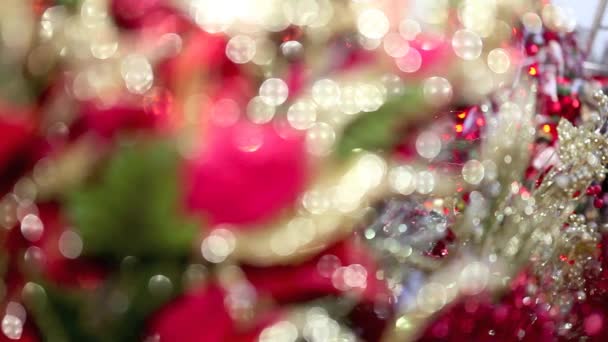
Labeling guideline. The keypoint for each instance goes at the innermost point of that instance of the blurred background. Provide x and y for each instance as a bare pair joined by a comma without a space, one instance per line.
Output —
586,11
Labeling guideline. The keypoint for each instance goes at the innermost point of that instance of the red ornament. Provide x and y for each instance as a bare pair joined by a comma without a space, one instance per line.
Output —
570,107
598,202
531,49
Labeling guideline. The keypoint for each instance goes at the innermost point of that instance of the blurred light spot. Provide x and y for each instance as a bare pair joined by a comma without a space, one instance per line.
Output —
499,61
282,331
425,182
302,114
301,12
369,97
431,297
393,85
316,202
70,244
93,13
474,278
137,73
265,51
240,49
409,29
437,91
26,190
402,179
326,93
32,227
372,23
411,62
328,264
160,285
432,11
320,139
473,172
12,327
467,44
274,91
428,145
348,100
395,45
259,112
218,245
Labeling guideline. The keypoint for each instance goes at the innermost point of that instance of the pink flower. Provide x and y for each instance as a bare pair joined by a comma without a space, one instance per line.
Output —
136,14
201,316
245,174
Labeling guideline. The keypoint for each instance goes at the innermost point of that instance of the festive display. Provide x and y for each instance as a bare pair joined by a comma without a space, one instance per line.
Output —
300,170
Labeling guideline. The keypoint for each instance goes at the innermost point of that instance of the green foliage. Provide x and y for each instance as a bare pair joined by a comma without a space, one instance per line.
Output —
377,130
134,207
116,311
71,4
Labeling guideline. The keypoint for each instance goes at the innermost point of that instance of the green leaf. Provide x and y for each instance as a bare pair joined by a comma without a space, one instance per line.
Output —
134,207
377,130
